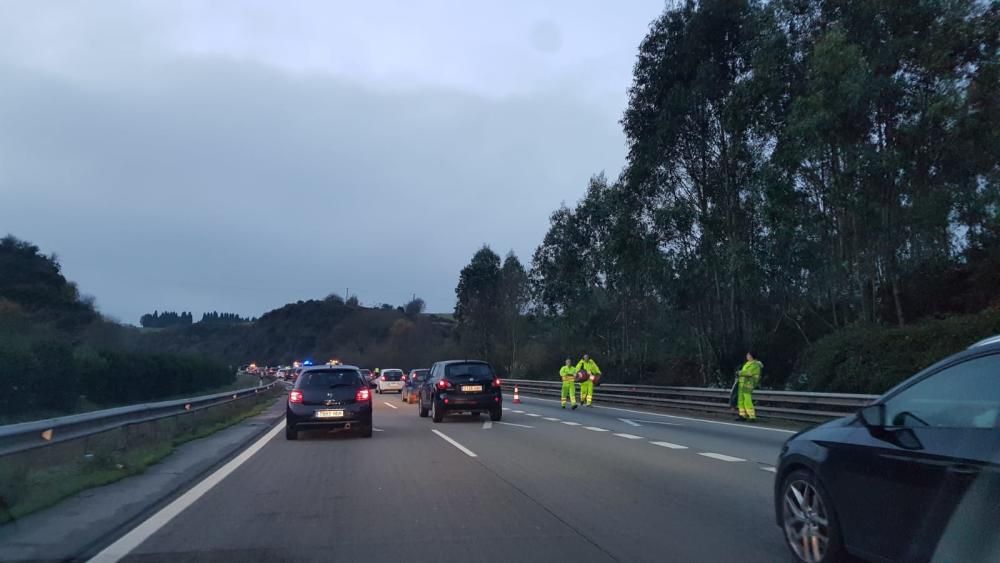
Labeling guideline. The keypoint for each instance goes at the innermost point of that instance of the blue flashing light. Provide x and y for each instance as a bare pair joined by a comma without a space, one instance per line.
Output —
307,362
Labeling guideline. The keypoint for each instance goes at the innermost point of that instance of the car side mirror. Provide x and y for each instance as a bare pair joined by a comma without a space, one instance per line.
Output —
873,416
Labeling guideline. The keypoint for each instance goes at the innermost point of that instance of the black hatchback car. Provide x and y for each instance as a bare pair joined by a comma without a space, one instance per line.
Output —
460,386
913,477
329,397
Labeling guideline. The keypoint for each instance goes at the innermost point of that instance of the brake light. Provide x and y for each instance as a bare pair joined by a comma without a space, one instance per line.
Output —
496,382
382,377
444,384
295,397
363,395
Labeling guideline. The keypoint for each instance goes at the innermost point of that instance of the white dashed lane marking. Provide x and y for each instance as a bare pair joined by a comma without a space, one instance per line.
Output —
506,408
518,425
377,429
519,412
390,405
629,422
550,419
721,457
531,414
460,447
771,469
487,425
596,429
568,423
629,436
669,445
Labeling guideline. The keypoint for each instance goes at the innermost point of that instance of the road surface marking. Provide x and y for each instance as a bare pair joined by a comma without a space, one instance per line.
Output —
377,429
550,419
662,422
669,445
462,448
125,544
487,425
531,414
629,422
629,436
506,408
768,468
647,413
721,457
519,412
518,425
596,429
568,423
388,404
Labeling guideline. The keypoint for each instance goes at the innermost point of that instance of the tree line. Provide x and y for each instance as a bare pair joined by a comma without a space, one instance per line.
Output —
185,318
794,170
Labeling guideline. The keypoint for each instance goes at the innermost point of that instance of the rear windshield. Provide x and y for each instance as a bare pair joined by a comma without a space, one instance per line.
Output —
392,374
329,378
477,371
420,374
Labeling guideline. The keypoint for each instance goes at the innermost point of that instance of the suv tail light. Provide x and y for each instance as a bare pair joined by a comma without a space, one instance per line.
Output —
363,395
295,396
444,384
496,382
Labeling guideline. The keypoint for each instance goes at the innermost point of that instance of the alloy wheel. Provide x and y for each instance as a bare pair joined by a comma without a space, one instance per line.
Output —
806,521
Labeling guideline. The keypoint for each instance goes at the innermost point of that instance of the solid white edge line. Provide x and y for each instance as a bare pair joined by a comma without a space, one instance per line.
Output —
596,429
721,457
461,448
669,445
390,405
629,436
629,422
747,426
127,543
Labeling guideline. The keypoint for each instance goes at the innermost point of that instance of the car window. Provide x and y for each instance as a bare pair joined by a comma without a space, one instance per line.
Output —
329,378
476,371
966,395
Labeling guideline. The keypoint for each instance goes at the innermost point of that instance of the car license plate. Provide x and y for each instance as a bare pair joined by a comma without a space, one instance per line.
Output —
472,388
329,414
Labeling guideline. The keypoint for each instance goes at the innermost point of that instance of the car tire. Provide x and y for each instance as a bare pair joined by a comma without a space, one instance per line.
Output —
436,415
365,431
290,432
495,414
813,496
421,409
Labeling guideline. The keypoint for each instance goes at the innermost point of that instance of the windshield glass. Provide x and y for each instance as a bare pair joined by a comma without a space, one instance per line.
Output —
328,378
475,371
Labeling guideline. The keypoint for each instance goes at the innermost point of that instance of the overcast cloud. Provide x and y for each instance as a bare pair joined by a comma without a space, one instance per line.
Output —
236,156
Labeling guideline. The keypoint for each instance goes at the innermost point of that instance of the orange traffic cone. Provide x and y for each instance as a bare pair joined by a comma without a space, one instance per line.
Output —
517,399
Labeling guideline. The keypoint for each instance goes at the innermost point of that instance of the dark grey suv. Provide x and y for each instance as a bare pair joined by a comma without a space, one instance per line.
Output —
460,386
329,397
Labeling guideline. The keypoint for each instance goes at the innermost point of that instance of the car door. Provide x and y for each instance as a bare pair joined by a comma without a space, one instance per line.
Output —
903,479
426,385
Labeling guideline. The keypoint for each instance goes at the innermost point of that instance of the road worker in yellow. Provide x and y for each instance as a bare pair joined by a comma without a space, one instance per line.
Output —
568,375
748,379
592,372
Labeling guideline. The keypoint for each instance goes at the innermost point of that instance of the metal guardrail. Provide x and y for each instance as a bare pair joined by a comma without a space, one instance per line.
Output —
780,405
40,433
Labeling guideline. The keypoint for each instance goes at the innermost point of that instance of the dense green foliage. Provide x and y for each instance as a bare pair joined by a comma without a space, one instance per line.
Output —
794,169
57,354
870,359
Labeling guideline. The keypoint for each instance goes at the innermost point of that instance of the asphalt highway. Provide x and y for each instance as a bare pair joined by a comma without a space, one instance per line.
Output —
544,484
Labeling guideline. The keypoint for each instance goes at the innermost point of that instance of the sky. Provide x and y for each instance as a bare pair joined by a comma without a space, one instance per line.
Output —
239,155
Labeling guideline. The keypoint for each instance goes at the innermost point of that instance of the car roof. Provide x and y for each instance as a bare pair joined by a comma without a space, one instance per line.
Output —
986,342
446,362
326,367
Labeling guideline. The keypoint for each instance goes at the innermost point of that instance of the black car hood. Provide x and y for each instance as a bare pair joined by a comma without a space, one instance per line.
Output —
820,428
